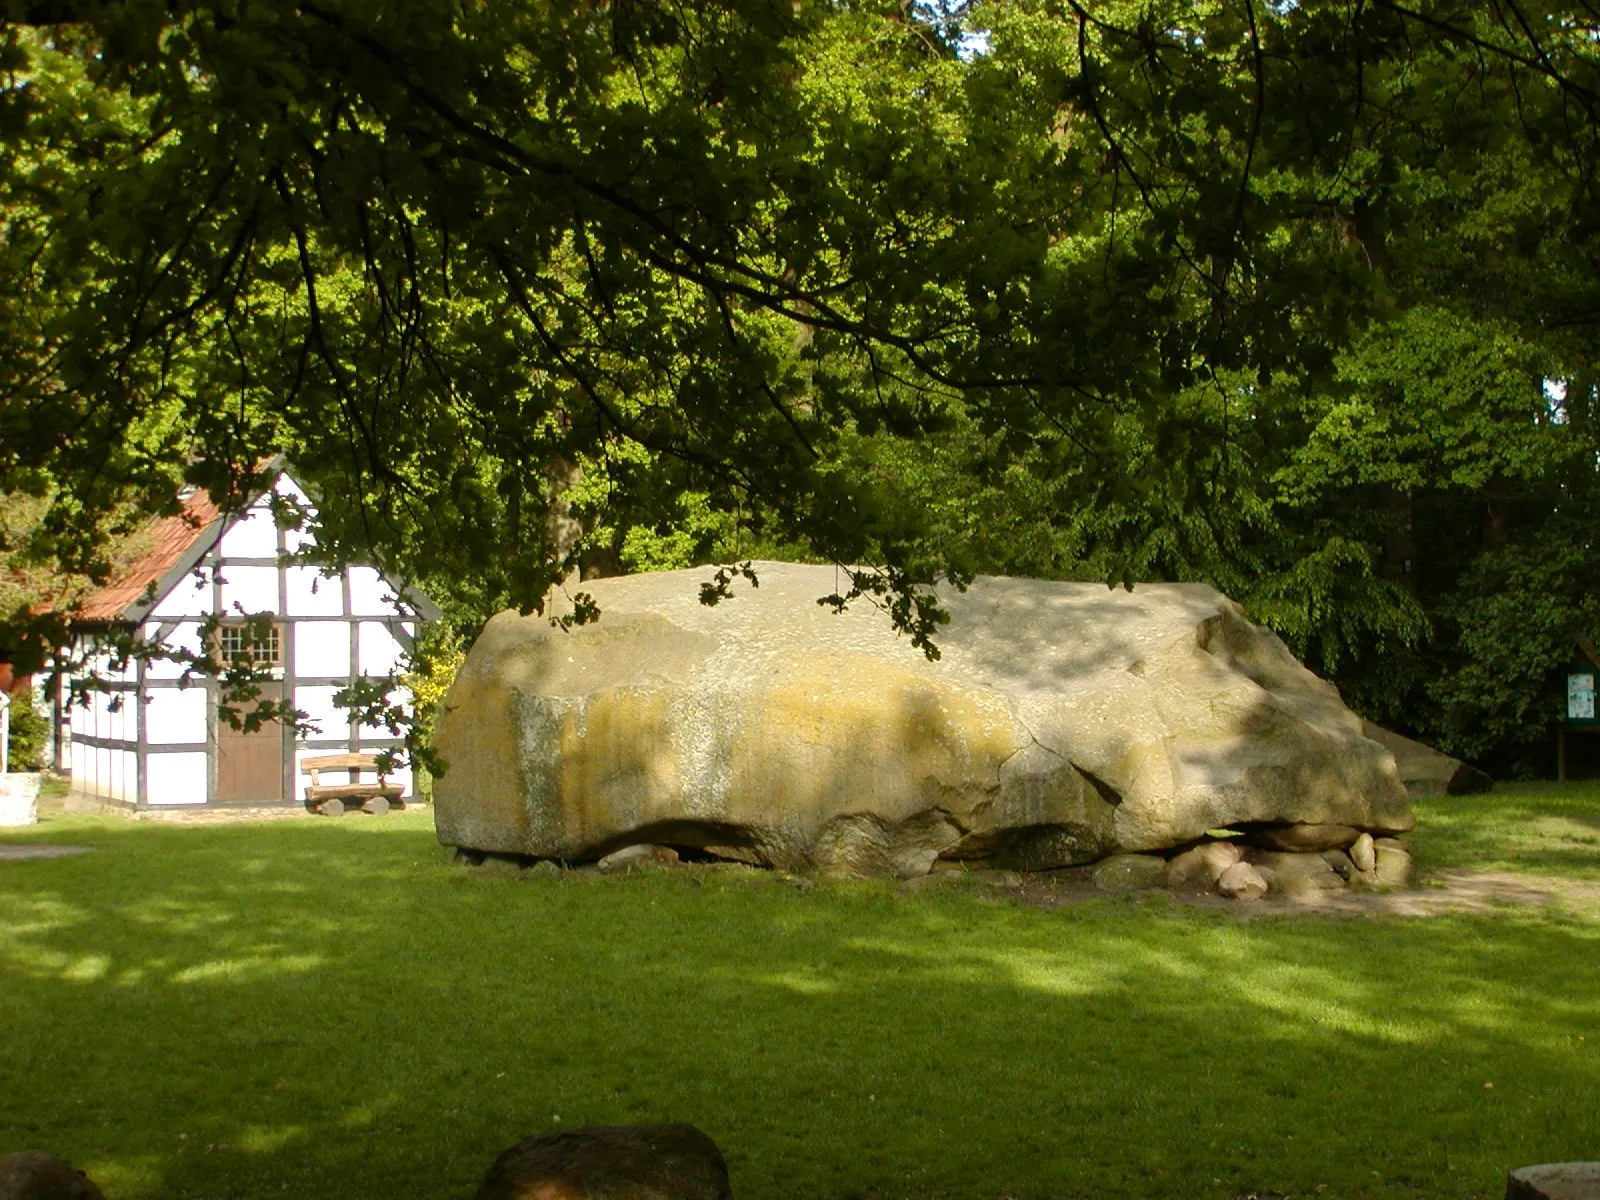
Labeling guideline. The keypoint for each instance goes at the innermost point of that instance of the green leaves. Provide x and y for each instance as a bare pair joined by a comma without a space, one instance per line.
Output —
1434,399
1260,294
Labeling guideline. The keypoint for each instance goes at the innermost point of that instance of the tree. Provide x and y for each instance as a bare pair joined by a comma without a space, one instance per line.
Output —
537,235
1375,459
1149,284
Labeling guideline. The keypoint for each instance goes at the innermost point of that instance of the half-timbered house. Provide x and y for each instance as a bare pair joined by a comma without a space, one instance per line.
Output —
154,738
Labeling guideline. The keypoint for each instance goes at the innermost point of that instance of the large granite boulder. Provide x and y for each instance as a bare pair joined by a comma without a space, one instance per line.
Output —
1062,723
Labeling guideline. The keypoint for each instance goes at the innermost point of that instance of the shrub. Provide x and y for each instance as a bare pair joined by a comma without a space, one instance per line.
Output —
30,730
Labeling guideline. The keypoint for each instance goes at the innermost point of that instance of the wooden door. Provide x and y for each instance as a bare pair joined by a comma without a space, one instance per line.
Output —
250,765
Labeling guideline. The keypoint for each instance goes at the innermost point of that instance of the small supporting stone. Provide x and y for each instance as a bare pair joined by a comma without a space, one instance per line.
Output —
331,808
1129,872
1363,854
1555,1181
642,857
1242,882
1340,862
1393,869
1202,866
376,805
1294,874
1302,839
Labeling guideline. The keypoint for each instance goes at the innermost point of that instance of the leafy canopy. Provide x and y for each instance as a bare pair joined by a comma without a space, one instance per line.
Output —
1265,294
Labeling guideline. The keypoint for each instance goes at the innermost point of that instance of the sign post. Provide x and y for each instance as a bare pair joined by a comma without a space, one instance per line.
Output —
1580,708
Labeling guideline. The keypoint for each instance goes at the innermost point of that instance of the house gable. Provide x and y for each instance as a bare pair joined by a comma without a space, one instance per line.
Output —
176,544
154,738
163,581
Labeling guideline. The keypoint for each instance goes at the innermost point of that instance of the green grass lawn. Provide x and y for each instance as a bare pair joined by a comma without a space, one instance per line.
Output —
330,1009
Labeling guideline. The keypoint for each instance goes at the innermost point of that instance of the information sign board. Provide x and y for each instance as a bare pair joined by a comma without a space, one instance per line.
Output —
1580,696
1580,710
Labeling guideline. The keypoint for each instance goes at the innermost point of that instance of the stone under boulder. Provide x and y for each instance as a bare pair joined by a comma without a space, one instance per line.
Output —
1062,723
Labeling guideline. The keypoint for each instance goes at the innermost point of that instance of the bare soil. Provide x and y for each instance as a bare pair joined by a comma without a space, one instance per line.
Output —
1451,891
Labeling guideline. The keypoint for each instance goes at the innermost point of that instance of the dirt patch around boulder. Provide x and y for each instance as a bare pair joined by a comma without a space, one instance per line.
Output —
1447,892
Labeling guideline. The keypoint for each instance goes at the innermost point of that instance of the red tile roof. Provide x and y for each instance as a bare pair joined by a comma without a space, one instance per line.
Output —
168,539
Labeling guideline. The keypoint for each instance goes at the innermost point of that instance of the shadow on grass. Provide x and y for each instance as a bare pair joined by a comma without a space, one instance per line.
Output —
324,1009
1534,829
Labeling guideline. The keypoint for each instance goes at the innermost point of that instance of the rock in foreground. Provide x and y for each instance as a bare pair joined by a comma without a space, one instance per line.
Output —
1555,1181
39,1175
1063,723
610,1162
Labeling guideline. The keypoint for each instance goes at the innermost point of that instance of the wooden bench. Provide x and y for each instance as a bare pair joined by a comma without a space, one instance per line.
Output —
329,798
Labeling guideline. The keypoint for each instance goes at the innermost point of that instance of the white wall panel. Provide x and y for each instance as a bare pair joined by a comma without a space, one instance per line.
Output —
254,535
250,590
175,778
95,720
189,597
125,717
403,778
285,486
124,785
102,771
317,703
378,653
312,594
322,648
184,636
296,539
82,780
105,667
82,719
175,715
370,596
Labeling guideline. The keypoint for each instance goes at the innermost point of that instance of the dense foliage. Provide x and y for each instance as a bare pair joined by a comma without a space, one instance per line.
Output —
1295,298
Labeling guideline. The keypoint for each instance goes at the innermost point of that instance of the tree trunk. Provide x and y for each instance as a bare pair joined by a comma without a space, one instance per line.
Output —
1400,539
